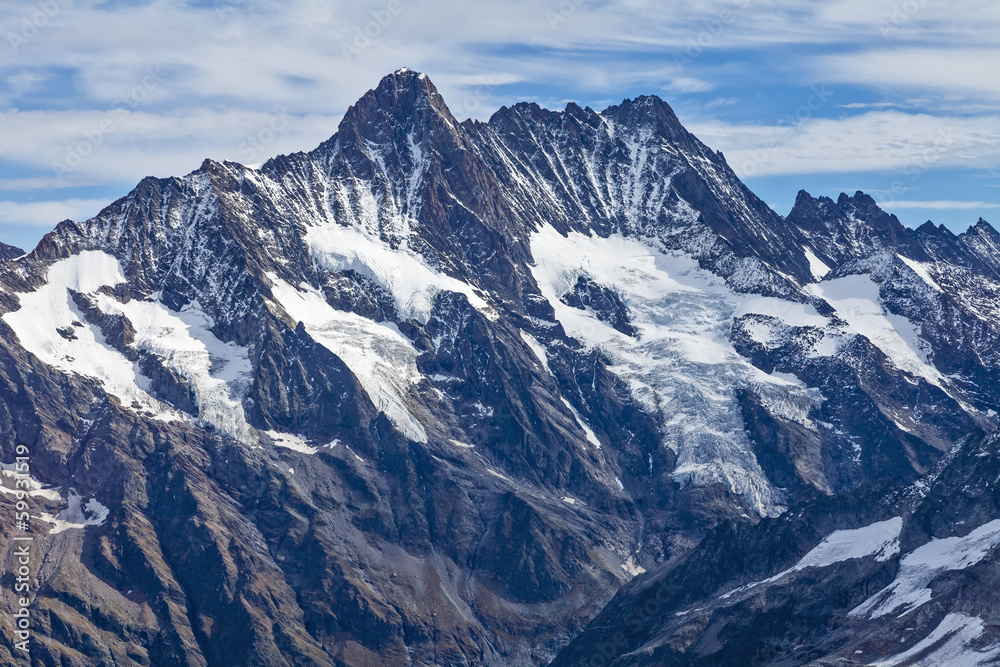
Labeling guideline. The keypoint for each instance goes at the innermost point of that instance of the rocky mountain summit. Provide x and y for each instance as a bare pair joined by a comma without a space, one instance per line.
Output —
434,392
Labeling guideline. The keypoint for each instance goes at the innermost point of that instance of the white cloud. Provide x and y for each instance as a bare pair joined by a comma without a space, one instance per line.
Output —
221,71
260,51
48,213
76,147
44,183
942,205
965,73
873,141
687,84
721,102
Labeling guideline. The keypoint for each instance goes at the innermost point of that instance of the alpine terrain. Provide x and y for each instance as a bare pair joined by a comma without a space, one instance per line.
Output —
556,388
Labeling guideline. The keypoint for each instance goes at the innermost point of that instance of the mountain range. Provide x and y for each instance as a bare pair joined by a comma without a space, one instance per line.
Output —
553,388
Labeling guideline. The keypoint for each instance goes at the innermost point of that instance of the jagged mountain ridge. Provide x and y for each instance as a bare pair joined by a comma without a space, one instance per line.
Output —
464,364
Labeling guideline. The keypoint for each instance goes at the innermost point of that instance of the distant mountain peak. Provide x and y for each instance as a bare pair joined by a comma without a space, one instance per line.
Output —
9,251
652,112
405,96
982,224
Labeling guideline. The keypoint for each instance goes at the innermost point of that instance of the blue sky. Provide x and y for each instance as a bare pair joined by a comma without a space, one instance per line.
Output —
899,98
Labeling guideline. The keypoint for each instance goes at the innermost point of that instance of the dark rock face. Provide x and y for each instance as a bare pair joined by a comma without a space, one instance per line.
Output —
434,391
607,305
9,251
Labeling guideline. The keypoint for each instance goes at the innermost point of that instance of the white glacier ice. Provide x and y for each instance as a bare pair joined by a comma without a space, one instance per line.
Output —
219,373
683,365
83,350
856,299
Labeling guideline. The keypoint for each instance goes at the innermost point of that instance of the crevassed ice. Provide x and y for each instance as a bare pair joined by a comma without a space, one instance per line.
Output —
683,365
219,373
382,358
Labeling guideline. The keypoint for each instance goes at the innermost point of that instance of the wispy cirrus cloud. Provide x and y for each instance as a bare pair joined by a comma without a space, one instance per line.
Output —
941,205
872,141
730,67
46,213
76,147
955,72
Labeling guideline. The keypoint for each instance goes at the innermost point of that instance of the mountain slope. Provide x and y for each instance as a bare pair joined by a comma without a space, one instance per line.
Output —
434,391
9,251
871,578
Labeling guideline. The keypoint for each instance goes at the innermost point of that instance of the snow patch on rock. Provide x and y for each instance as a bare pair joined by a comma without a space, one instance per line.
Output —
292,442
80,348
921,270
11,482
952,639
77,515
856,300
817,267
918,568
382,358
404,274
591,436
880,540
538,349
